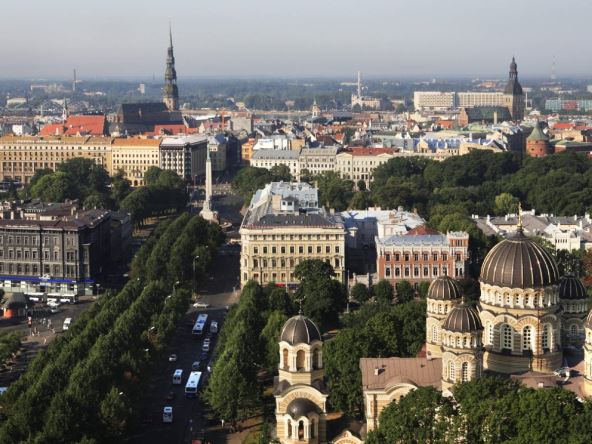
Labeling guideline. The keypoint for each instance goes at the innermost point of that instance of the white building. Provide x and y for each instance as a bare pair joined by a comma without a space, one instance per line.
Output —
472,99
275,142
269,158
433,100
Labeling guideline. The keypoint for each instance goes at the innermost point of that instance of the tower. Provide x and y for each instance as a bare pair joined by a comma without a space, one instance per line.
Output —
316,111
171,92
443,295
537,143
462,347
520,307
299,389
574,305
65,111
513,94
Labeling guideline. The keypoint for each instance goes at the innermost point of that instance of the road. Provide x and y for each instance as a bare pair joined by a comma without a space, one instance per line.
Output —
188,414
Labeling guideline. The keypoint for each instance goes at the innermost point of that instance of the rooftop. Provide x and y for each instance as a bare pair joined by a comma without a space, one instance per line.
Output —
380,373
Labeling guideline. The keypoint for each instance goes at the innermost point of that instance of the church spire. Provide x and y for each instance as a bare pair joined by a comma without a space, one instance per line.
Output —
171,91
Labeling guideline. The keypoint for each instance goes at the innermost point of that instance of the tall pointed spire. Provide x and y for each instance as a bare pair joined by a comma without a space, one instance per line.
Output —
171,91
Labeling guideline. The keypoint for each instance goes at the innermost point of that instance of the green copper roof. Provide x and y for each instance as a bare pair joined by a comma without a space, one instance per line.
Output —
538,134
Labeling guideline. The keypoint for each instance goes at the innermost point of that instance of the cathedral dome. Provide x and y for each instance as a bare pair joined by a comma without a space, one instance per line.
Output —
570,287
301,407
300,330
519,262
463,319
444,288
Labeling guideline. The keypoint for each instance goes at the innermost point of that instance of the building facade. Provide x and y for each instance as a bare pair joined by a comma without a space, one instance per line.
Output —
185,155
359,163
421,255
433,100
317,160
20,157
269,158
134,156
282,227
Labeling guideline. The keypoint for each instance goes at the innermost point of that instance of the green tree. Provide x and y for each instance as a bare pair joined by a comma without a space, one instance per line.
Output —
361,200
360,293
56,187
405,291
334,192
114,412
422,289
505,203
120,187
383,291
151,175
280,173
270,336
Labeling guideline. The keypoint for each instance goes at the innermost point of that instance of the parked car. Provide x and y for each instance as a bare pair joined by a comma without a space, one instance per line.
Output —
214,327
195,366
201,305
173,358
206,345
203,356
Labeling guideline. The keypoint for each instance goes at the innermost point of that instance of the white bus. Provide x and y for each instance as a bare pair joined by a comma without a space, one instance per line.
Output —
178,376
192,384
200,325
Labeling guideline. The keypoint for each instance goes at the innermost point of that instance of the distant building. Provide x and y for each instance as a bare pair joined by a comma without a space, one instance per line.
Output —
171,91
218,146
514,98
477,98
484,114
317,160
537,143
359,163
78,125
186,155
284,226
422,254
433,100
269,158
134,156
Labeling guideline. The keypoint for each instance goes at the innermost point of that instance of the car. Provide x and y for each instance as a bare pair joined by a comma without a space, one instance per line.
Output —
201,305
54,309
170,396
214,327
206,345
562,372
173,358
195,366
203,356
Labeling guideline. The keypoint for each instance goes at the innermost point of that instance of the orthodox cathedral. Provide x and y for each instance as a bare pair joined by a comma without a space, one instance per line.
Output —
526,318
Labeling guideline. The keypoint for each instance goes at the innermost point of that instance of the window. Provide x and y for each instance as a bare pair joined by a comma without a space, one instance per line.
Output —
444,256
507,337
527,338
490,333
300,249
387,271
387,257
397,257
264,250
327,249
435,333
256,250
415,271
451,371
458,257
310,249
283,249
273,250
573,331
546,336
415,257
426,271
464,372
300,357
291,249
337,249
425,256
435,256
397,272
406,257
435,272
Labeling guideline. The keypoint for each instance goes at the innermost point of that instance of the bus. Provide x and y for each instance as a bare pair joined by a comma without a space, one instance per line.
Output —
192,384
200,324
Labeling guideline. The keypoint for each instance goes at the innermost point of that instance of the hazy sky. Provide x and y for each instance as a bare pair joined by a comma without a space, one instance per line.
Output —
280,38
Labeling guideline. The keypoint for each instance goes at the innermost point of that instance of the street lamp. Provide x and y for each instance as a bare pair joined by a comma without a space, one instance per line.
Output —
174,288
194,280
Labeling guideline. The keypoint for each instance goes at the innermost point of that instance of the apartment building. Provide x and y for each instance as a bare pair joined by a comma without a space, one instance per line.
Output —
359,163
318,160
471,99
284,226
433,100
186,155
269,158
421,255
134,156
21,156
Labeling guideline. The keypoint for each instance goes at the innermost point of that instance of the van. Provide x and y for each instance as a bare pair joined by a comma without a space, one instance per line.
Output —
214,327
67,323
167,414
178,376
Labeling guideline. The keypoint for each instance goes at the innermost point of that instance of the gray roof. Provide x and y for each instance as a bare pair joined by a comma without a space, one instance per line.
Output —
519,262
570,287
444,288
418,240
275,154
463,319
310,220
300,330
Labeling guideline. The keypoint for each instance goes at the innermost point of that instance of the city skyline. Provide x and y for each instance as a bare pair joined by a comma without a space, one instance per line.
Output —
329,40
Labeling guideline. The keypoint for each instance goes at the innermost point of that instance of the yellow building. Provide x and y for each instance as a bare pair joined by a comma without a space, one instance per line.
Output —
284,226
134,156
359,163
21,156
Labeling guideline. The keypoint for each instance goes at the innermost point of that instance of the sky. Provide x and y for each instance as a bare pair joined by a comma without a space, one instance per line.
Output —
299,38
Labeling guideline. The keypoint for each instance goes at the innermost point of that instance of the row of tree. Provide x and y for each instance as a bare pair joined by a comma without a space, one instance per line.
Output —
250,179
486,410
86,385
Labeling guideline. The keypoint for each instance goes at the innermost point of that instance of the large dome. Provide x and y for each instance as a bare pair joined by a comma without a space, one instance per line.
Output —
519,262
300,330
444,288
463,319
570,287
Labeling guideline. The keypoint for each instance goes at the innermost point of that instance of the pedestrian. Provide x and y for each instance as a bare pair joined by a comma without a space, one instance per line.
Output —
44,341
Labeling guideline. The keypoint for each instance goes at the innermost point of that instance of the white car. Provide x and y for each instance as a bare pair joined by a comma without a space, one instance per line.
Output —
201,305
173,358
206,345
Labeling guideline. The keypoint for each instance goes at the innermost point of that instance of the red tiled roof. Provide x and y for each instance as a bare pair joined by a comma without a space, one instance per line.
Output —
563,125
422,230
91,125
52,129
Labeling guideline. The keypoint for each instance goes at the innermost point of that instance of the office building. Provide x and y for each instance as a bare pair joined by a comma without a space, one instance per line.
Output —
433,100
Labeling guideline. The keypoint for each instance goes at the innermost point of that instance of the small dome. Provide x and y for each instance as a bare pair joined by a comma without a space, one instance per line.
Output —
301,407
519,262
444,288
570,287
463,319
300,330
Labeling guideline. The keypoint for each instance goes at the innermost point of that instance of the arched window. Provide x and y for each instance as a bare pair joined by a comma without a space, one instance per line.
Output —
300,430
289,428
464,372
506,337
451,371
527,338
435,333
285,360
300,359
546,336
490,333
573,331
316,358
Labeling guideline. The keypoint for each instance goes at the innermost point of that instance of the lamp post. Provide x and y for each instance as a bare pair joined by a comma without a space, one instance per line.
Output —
174,287
194,280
